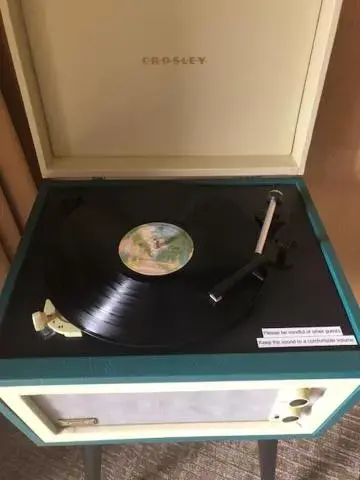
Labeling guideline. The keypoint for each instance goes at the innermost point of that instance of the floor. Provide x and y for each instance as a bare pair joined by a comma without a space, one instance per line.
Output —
333,175
336,456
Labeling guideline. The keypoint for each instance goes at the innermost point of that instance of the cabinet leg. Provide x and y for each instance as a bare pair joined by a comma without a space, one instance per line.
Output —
267,457
92,462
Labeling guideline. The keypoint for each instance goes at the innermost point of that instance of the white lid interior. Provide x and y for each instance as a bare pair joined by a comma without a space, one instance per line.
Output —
227,96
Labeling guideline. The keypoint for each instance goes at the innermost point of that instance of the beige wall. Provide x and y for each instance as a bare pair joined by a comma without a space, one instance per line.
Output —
333,169
17,190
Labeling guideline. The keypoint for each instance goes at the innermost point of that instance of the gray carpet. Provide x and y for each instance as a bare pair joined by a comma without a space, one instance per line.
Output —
336,456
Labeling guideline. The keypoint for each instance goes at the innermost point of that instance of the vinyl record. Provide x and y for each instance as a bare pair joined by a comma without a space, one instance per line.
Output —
94,288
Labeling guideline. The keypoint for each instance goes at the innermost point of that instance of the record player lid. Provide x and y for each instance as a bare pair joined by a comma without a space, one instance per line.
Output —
123,88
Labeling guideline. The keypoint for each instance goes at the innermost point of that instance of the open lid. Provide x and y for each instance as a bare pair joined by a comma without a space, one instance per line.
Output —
132,88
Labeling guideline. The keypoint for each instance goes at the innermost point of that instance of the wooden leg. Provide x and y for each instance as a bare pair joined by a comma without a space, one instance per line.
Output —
267,458
92,462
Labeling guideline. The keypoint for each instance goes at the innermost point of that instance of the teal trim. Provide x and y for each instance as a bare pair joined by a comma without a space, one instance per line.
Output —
19,424
99,182
180,368
351,401
240,438
22,249
347,297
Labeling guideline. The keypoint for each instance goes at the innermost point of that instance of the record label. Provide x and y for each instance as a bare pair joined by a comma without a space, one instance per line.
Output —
156,248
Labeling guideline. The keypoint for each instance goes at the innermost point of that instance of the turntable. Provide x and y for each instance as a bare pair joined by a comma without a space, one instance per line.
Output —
174,281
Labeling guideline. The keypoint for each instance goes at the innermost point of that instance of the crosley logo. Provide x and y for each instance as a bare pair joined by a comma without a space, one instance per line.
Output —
174,60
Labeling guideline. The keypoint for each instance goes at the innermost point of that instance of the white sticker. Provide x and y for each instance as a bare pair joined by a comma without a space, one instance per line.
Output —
302,332
282,342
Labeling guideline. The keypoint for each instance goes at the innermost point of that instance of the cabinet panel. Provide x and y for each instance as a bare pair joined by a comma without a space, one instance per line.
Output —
177,410
161,407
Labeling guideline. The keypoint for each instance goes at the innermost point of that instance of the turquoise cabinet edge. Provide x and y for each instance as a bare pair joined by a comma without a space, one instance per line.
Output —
205,367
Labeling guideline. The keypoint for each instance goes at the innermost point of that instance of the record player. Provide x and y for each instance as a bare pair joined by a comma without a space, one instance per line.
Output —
175,280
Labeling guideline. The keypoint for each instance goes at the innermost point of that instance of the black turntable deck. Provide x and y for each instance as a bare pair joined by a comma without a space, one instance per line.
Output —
74,259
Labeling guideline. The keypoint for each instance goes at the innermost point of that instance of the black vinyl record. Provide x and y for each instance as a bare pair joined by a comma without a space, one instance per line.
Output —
92,287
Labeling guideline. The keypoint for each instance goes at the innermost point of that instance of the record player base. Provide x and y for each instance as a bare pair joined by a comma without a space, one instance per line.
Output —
237,388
